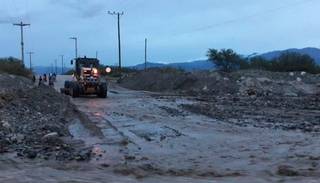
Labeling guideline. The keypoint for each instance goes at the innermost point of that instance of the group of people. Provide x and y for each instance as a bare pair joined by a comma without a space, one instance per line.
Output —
51,78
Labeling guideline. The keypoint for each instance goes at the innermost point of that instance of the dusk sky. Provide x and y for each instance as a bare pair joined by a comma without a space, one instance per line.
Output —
177,30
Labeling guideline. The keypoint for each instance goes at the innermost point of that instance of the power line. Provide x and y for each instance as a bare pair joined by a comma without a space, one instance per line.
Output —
118,14
248,16
21,25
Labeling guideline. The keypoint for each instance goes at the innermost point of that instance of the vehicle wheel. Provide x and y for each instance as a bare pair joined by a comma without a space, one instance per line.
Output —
74,90
66,84
103,90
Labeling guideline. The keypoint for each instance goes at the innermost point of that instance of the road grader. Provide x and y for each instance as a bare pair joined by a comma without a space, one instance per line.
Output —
86,79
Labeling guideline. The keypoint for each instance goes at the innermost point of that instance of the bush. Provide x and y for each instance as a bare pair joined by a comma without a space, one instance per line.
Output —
226,59
286,62
294,62
13,66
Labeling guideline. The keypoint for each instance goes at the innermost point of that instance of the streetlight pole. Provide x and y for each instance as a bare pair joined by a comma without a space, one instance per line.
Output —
76,45
55,66
30,57
62,64
145,53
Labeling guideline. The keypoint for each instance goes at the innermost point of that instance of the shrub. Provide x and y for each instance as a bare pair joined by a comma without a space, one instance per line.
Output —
13,66
286,62
226,59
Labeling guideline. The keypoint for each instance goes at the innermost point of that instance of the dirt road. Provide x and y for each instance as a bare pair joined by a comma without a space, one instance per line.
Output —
147,137
147,133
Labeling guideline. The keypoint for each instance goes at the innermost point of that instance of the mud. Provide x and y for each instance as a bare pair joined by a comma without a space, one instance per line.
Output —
164,139
286,113
151,137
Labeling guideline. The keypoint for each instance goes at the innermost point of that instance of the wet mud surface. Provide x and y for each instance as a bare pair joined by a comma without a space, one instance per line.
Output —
149,137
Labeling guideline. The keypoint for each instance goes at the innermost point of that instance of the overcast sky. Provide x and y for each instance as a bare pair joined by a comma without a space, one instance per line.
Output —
177,30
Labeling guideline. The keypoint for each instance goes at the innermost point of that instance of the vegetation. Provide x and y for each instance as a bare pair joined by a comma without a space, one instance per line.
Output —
228,60
13,66
225,60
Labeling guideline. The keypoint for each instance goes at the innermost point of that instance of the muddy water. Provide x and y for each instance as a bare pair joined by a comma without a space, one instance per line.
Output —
146,137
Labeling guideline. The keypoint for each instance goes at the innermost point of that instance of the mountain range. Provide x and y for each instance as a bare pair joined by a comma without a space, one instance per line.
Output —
47,69
203,64
187,66
207,65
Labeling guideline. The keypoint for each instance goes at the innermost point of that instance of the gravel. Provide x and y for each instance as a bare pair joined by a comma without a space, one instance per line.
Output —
287,101
34,122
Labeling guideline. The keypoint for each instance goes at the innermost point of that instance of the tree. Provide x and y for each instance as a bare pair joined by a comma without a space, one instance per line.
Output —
259,63
225,59
292,61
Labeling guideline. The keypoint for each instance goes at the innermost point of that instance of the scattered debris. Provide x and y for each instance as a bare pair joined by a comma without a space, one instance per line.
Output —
34,121
245,98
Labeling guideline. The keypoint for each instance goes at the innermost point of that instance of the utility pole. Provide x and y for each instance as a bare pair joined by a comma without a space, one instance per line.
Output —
76,45
145,54
21,24
96,54
55,66
51,68
30,57
118,14
62,64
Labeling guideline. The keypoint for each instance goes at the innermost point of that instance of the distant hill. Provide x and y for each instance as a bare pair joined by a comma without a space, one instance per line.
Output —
187,66
207,65
201,64
312,52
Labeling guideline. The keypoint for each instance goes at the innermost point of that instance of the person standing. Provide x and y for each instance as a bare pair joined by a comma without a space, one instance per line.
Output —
40,80
33,78
51,81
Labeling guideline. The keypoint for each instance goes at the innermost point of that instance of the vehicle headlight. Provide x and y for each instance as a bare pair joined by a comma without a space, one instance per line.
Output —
95,71
108,70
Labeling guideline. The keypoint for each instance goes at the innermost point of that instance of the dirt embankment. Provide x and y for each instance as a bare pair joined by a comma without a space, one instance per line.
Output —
245,82
34,121
289,101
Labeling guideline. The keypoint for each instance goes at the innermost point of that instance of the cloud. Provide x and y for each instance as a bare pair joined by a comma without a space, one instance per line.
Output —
85,8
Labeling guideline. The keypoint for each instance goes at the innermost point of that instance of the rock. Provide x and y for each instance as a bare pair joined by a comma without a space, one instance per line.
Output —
299,79
83,155
290,94
285,170
29,153
6,124
205,88
52,139
128,157
50,135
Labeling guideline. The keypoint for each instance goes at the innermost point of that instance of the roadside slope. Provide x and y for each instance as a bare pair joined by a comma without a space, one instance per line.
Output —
35,120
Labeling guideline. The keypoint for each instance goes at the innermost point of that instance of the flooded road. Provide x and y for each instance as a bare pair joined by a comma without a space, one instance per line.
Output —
140,136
